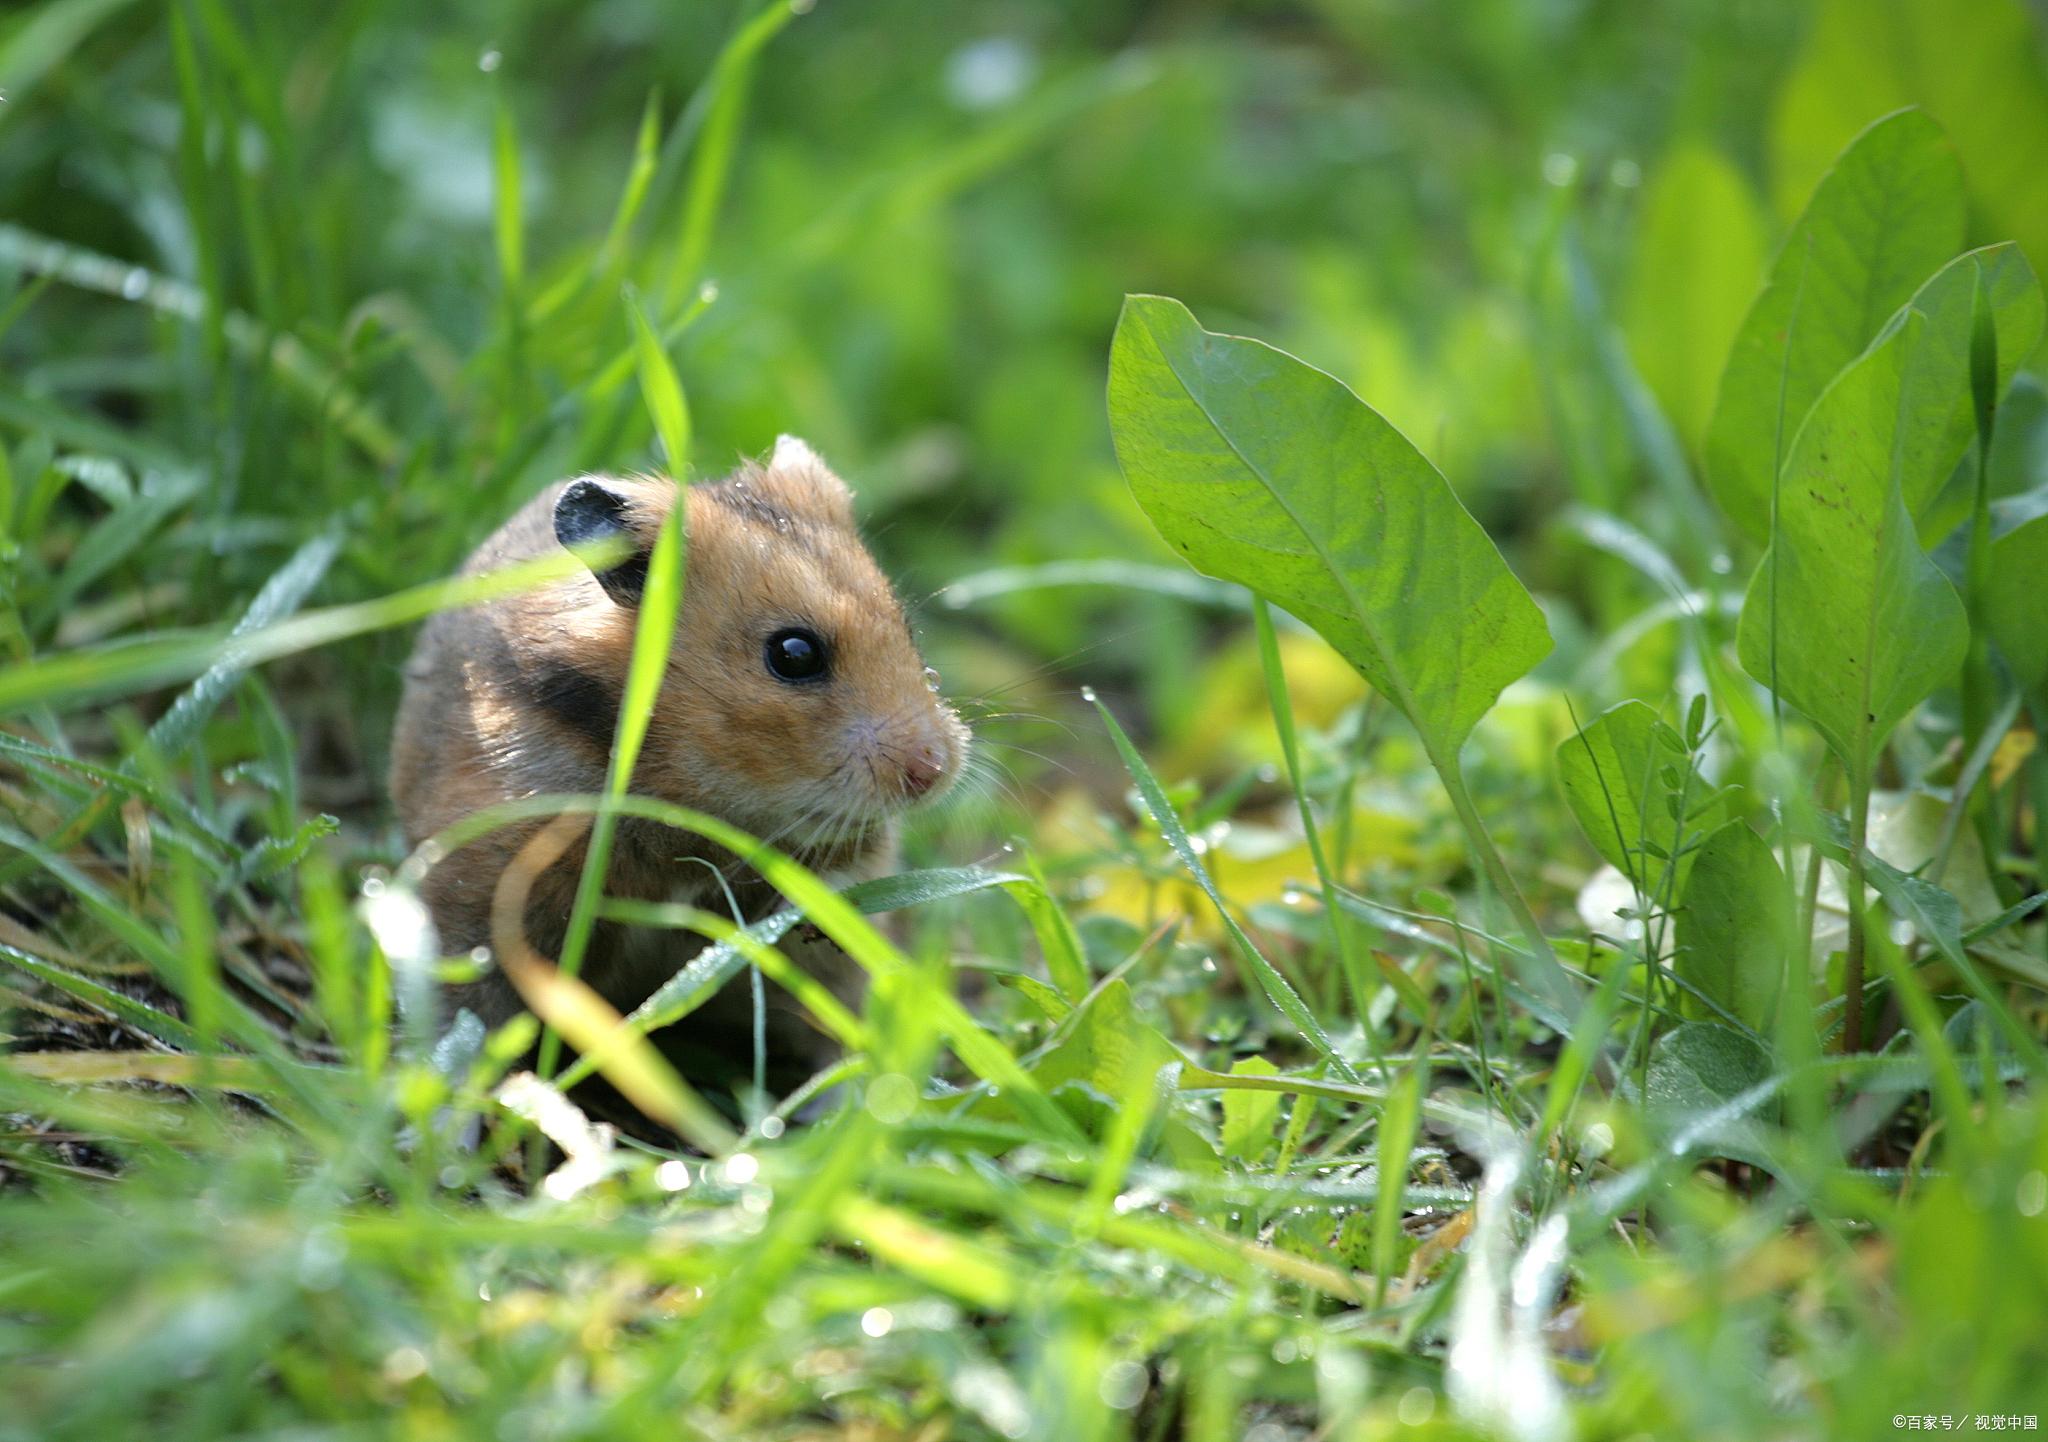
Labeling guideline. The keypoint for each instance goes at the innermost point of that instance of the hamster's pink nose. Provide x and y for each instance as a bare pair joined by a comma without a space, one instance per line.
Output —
922,770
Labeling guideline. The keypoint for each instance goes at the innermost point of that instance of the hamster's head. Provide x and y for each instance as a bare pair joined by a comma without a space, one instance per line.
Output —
796,702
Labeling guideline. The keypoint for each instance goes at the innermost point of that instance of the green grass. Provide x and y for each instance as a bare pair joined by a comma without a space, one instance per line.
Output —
1257,1054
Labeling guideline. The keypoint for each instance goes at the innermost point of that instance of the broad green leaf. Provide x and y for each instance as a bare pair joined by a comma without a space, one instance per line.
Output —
1065,960
1699,221
1866,625
1735,932
1041,995
1248,1116
1696,1071
2014,604
1260,469
1889,212
1616,779
1106,1043
1935,436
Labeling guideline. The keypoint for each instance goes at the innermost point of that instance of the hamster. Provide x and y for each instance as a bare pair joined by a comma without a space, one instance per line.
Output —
796,706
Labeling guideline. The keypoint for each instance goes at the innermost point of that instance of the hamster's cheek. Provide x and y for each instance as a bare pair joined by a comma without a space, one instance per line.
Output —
771,743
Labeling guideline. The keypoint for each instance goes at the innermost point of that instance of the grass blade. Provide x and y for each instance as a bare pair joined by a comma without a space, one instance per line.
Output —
1283,996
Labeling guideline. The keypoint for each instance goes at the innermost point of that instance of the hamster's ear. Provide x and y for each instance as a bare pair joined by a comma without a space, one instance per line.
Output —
806,484
794,453
590,516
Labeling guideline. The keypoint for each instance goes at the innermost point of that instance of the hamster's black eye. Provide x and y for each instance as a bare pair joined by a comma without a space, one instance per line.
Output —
796,655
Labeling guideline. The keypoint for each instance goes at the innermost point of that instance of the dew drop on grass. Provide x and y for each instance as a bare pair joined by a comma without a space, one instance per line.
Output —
741,1168
771,1127
490,60
672,1176
135,284
876,1321
2033,1194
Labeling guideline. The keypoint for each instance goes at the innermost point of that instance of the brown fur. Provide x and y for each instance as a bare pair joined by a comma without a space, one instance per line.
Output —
519,697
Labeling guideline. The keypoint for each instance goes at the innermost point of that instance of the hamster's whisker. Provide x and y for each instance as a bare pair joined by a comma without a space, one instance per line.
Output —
1066,662
1036,718
970,708
811,817
982,775
1051,761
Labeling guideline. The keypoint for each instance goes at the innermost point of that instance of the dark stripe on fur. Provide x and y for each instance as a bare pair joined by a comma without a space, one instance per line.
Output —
743,502
577,699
